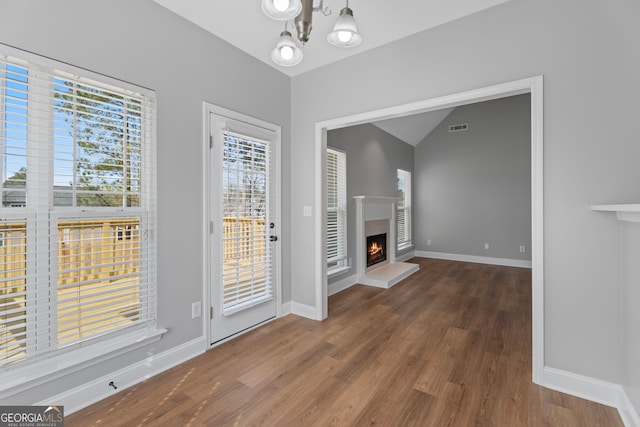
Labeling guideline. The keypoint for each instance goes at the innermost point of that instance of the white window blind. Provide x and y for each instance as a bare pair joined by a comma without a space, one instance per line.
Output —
247,264
77,214
336,206
403,213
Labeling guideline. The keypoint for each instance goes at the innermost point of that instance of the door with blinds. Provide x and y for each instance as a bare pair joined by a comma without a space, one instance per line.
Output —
244,200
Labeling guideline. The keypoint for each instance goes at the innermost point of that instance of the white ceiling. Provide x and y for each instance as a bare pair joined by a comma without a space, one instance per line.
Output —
413,129
242,23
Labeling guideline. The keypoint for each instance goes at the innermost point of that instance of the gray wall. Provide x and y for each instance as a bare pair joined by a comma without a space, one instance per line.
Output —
589,54
474,187
373,157
630,239
143,43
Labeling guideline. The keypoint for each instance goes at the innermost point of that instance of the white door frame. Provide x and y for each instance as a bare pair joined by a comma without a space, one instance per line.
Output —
209,221
531,85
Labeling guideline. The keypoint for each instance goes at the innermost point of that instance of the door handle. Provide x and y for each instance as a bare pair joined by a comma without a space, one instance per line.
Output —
273,238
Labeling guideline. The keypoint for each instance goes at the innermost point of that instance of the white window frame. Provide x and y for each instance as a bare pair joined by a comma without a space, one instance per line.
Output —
41,218
404,206
339,262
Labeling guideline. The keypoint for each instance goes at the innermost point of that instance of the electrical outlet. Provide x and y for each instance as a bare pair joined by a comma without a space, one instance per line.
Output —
486,246
523,249
428,242
196,310
306,211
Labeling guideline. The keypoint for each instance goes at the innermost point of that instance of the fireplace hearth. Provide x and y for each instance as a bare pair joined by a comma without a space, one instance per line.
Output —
376,249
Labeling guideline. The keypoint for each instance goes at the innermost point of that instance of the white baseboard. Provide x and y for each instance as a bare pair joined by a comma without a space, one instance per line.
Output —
406,256
285,308
592,389
628,413
87,394
303,310
581,386
477,259
341,285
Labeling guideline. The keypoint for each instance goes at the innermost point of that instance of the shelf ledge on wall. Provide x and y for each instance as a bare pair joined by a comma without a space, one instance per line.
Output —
624,212
377,199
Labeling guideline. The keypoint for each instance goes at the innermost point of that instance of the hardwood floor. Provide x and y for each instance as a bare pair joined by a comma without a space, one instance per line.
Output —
449,346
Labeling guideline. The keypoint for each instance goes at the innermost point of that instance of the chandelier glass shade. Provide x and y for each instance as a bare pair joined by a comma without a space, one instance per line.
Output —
345,32
286,53
282,10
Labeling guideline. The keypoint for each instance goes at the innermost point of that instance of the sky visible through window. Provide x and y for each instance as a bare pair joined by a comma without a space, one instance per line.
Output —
15,131
96,138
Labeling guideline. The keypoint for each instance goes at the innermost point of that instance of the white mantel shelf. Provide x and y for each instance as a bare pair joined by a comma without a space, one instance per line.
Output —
377,198
624,212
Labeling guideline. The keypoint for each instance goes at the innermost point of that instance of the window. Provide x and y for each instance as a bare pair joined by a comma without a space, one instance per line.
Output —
247,177
403,213
77,212
336,211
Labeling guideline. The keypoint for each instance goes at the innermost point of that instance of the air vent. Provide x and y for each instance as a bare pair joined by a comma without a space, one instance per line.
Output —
459,128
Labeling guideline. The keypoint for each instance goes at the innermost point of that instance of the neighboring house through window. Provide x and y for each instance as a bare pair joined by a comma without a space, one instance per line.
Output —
336,211
403,214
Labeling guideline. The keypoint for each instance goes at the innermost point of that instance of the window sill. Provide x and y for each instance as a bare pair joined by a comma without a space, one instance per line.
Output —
405,246
29,375
337,270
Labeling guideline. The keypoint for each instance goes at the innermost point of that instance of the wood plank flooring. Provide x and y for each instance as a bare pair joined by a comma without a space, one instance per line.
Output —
449,346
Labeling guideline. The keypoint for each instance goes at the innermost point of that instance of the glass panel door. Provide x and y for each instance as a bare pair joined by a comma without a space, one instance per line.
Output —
243,290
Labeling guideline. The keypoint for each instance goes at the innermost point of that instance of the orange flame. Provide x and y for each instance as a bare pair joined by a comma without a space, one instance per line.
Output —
374,249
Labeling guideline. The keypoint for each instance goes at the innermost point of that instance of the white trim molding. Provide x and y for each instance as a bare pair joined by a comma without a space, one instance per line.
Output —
31,375
592,389
342,284
507,262
628,413
533,86
299,309
87,394
582,386
405,256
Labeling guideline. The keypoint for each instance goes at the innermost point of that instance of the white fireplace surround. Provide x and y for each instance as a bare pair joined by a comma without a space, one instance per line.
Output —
376,215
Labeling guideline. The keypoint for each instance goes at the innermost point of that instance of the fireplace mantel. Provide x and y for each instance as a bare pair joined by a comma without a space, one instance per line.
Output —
375,208
369,208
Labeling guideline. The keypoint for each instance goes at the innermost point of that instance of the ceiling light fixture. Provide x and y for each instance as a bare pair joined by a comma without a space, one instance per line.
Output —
345,32
281,10
286,52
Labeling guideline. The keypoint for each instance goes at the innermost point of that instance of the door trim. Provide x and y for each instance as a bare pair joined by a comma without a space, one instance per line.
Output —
533,86
207,110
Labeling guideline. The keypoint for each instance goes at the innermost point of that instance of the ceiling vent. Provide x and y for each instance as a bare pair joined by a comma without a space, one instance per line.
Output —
459,128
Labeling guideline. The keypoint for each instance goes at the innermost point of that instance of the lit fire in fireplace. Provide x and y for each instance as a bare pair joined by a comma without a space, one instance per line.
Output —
376,249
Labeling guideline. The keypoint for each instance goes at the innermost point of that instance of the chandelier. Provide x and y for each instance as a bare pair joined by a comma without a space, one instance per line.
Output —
287,53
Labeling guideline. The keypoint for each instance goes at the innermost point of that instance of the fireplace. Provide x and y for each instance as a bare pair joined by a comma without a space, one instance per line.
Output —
376,249
376,263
